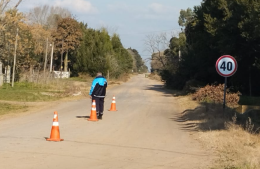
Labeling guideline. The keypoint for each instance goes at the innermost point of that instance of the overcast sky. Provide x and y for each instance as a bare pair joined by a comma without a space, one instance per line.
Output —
133,20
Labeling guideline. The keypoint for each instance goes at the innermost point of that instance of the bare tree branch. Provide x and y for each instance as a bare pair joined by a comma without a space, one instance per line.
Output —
47,15
156,44
17,4
3,5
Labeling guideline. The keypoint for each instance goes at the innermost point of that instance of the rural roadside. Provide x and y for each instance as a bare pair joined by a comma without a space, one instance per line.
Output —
27,98
233,137
142,133
229,144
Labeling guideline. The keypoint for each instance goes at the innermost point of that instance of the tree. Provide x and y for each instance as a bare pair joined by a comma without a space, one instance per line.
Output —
220,27
138,63
94,52
11,21
67,38
185,17
48,16
156,44
89,50
3,7
100,52
4,4
122,55
39,38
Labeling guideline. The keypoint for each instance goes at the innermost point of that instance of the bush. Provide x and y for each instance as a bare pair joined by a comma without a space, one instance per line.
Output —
192,86
155,76
215,94
172,80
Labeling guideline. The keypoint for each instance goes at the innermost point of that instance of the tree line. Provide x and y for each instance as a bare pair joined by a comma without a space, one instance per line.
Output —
210,30
45,31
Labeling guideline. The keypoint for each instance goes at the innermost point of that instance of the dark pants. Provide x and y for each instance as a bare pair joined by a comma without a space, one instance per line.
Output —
99,104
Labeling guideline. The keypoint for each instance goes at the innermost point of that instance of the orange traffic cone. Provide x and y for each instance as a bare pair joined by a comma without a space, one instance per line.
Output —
113,104
93,114
55,132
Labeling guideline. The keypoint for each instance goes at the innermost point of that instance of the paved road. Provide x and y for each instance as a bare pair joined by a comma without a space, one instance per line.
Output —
140,135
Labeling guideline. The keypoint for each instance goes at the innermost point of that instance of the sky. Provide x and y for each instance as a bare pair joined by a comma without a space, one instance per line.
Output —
132,20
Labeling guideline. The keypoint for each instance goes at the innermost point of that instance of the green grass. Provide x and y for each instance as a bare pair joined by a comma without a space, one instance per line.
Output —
26,92
79,79
6,108
247,100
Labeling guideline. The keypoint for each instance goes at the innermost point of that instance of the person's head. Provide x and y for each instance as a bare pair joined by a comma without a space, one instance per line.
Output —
99,74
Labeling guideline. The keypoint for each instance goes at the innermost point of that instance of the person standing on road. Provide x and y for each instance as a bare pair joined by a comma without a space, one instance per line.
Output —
98,93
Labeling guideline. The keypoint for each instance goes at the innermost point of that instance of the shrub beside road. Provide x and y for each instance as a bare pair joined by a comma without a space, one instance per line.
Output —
232,136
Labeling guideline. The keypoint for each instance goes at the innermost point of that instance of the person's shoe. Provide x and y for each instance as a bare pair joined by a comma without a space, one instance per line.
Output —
100,117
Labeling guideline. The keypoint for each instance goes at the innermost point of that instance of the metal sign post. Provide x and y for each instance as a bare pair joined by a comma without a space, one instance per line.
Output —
226,66
225,89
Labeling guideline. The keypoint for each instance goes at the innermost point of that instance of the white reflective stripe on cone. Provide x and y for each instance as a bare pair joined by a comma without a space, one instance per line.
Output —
93,108
55,115
55,124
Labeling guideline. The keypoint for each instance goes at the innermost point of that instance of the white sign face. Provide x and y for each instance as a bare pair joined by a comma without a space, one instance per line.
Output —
226,65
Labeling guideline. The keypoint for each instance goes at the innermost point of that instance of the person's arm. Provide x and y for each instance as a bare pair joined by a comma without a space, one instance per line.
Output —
105,82
92,87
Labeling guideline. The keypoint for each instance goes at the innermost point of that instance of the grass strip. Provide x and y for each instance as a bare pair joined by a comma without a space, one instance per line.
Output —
6,108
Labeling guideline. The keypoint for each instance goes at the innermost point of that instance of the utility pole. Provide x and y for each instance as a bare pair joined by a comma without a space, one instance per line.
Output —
52,46
66,62
15,48
46,54
61,59
179,53
109,62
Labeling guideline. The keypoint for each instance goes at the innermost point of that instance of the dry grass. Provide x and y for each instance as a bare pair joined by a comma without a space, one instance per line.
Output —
234,142
123,78
6,107
155,76
50,90
235,148
25,92
75,86
215,94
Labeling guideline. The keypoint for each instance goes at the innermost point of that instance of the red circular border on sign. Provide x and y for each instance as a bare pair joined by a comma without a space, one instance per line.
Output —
226,56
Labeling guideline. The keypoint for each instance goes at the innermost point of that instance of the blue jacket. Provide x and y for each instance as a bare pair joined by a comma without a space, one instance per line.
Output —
98,87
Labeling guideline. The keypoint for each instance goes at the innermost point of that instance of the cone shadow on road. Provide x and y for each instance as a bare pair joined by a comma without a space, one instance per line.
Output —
82,117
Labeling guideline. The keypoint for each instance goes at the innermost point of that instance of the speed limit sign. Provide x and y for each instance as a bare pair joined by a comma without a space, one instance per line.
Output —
226,66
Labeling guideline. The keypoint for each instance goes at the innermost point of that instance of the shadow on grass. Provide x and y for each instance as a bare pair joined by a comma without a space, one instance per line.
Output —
204,117
210,116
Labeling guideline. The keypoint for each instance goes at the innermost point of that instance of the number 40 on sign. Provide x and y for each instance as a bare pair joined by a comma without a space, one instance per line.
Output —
226,66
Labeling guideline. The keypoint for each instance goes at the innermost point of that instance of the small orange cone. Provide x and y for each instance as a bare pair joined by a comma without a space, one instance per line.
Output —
93,114
55,131
113,104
